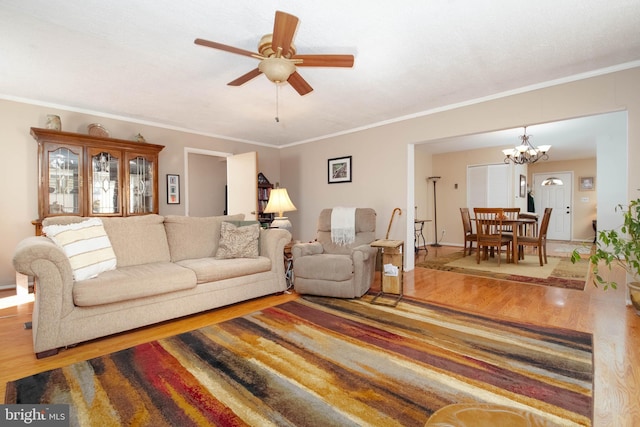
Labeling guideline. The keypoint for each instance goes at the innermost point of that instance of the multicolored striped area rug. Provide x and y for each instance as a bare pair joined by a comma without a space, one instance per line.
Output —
328,362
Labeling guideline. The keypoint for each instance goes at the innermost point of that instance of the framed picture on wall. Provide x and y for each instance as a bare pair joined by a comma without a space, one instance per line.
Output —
523,186
339,170
587,183
173,189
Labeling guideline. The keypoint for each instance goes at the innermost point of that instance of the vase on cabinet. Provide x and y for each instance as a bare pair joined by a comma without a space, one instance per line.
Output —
53,122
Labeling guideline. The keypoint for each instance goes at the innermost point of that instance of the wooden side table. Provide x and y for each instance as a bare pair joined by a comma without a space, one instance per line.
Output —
418,230
393,258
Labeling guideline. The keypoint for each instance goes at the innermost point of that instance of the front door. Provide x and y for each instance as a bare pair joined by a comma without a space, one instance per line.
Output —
558,197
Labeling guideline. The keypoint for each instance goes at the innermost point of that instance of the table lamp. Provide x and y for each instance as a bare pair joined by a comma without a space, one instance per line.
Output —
279,203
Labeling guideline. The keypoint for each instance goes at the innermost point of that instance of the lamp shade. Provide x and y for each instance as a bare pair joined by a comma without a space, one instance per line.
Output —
279,202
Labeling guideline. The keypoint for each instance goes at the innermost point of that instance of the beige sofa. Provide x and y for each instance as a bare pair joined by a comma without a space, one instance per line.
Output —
166,268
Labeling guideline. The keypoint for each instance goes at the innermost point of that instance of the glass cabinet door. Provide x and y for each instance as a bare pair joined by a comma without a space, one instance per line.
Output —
141,185
63,165
105,181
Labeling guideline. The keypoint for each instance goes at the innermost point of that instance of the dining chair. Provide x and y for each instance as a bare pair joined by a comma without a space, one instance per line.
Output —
507,229
532,230
510,213
469,235
489,230
539,241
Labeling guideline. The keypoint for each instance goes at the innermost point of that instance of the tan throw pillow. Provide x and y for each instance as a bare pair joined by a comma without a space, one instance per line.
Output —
238,242
87,246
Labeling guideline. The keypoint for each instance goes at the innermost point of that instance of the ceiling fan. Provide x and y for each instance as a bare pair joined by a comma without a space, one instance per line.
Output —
277,55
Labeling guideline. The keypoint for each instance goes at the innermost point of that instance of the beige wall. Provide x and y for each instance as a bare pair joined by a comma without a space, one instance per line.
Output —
18,202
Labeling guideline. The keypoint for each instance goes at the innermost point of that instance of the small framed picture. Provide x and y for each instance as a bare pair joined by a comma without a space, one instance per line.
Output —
587,183
173,189
339,170
523,186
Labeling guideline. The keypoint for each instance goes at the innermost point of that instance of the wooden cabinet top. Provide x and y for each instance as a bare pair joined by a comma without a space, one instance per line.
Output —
50,135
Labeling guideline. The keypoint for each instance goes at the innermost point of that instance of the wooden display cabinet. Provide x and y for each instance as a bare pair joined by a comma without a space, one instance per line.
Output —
87,175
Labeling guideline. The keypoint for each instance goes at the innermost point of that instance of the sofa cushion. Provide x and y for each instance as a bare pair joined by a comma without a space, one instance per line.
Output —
138,281
324,266
87,246
192,237
138,239
238,242
212,269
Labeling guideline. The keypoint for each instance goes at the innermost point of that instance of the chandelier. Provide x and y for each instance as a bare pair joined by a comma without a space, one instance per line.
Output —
526,152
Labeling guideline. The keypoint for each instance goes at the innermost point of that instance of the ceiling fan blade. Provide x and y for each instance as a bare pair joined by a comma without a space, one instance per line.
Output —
224,47
324,60
299,84
245,78
284,28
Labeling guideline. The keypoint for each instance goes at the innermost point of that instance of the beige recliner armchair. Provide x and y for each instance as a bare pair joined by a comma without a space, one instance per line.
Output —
344,271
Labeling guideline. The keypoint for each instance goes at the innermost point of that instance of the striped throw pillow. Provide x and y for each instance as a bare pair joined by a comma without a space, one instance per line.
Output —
87,246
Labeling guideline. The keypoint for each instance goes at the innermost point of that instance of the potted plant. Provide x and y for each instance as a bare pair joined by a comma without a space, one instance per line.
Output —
619,247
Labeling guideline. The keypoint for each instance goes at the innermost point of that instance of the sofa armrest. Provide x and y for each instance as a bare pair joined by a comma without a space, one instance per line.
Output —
272,243
364,252
39,257
303,249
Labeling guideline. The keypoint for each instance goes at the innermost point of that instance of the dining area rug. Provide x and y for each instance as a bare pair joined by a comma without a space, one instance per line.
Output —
332,362
559,270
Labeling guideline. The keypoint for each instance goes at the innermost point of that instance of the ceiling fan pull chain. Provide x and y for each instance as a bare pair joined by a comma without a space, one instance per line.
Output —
277,103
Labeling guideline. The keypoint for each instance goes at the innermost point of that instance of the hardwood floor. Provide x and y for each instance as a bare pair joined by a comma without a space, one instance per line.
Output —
615,327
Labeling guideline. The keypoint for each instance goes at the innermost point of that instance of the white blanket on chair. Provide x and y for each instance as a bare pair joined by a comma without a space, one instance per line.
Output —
343,225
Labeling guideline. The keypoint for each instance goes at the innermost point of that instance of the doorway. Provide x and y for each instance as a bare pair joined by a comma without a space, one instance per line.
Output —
241,174
207,177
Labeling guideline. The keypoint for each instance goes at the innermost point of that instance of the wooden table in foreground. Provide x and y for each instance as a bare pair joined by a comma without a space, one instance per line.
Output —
393,255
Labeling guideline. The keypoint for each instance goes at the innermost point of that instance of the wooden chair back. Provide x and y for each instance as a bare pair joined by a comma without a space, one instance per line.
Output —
469,235
466,221
489,225
544,225
510,213
489,230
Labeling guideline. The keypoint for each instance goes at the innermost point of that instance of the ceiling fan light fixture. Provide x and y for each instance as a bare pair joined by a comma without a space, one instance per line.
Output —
277,70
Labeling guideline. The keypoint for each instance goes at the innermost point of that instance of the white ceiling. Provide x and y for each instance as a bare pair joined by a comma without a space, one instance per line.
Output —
137,60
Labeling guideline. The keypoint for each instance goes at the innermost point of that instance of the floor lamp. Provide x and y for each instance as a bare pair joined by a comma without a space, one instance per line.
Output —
435,210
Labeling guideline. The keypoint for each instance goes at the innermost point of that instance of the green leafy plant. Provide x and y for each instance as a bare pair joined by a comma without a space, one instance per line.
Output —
617,247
